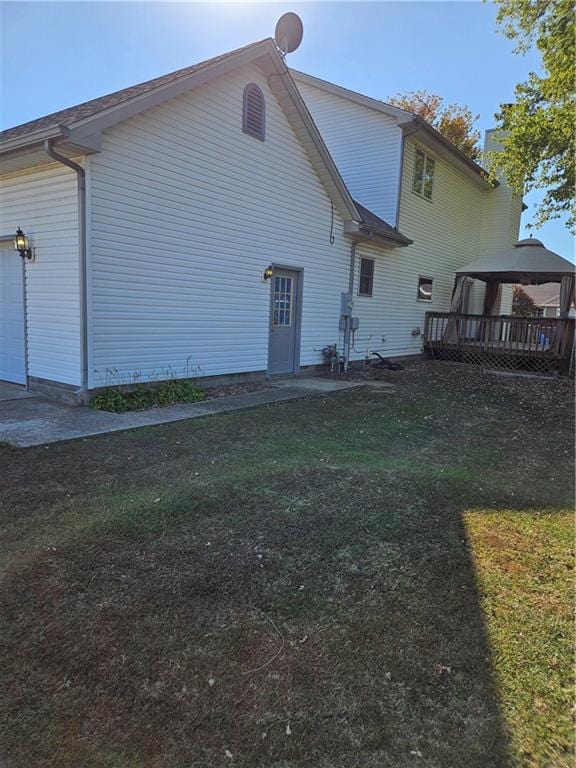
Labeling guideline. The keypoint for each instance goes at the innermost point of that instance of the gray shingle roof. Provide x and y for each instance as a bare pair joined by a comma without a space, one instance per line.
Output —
547,294
94,106
380,226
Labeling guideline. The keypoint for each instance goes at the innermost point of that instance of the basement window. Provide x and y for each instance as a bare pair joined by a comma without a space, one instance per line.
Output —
253,111
424,289
423,175
366,277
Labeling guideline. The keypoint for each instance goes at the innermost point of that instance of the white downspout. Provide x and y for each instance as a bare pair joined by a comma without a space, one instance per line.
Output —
81,179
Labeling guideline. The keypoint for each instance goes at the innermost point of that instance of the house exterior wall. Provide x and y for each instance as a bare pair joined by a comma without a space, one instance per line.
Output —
366,147
43,202
446,233
185,213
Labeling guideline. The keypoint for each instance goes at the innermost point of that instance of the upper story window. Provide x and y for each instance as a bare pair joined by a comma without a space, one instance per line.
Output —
366,277
253,112
423,175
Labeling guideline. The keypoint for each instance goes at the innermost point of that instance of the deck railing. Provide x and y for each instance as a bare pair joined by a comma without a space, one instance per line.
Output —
539,343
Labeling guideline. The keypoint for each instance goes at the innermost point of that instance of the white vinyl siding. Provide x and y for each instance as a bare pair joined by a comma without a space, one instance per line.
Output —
446,236
186,213
43,202
365,145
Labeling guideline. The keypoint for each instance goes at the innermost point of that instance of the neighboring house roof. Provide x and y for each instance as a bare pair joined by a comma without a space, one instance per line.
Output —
408,122
545,295
78,129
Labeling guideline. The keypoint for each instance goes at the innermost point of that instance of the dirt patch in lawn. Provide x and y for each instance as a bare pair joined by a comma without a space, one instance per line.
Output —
334,582
237,389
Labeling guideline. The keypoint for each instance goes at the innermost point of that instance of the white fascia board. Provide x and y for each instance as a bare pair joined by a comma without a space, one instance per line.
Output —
89,128
404,119
120,112
433,141
31,139
86,134
358,98
363,233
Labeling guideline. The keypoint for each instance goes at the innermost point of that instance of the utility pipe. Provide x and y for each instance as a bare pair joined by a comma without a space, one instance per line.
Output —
348,318
81,179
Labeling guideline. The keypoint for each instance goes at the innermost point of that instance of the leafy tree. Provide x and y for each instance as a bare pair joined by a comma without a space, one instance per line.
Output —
454,122
538,128
522,304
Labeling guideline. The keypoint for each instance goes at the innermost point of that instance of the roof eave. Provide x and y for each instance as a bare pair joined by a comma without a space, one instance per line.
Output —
363,232
515,277
443,146
85,135
32,139
406,120
346,93
94,124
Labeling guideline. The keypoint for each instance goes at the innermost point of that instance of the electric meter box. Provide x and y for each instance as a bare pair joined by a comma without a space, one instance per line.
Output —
354,323
346,304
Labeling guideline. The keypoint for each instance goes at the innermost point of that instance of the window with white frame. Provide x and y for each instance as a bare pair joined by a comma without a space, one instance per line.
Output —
425,289
366,283
423,175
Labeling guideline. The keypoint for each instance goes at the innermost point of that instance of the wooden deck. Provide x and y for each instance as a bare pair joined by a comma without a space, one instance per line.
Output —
540,344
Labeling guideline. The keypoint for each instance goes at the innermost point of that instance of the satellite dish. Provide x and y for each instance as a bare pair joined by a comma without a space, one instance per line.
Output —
288,33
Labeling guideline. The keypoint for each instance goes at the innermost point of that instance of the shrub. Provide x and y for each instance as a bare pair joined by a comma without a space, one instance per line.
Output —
146,396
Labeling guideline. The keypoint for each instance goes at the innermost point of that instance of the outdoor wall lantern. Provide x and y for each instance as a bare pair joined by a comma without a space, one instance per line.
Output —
268,272
22,244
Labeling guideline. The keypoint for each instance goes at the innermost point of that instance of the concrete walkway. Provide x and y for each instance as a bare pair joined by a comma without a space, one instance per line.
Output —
10,391
27,421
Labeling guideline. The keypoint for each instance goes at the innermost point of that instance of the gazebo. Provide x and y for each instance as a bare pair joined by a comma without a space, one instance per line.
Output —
508,341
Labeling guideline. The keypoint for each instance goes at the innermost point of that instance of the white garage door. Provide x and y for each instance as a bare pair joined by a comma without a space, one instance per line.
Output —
12,344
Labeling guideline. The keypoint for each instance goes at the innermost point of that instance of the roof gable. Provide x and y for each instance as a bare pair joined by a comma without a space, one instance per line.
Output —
94,107
77,130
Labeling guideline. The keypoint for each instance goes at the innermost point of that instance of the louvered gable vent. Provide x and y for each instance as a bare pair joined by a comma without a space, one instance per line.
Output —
253,113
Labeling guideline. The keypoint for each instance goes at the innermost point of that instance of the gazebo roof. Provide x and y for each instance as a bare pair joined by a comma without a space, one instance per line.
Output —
528,259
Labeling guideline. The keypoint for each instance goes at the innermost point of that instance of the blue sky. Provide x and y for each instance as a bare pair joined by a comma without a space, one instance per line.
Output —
56,54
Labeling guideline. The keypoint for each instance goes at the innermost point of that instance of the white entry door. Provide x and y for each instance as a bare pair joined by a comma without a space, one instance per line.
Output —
12,340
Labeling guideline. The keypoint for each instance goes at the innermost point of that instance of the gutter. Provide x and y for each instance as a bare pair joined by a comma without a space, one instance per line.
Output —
81,179
388,236
30,140
418,124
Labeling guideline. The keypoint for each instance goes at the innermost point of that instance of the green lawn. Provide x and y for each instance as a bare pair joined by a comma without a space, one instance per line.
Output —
367,579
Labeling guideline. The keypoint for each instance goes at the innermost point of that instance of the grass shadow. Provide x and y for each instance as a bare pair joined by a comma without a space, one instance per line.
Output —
282,588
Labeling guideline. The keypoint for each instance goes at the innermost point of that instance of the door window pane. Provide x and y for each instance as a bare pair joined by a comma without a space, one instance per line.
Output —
282,301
